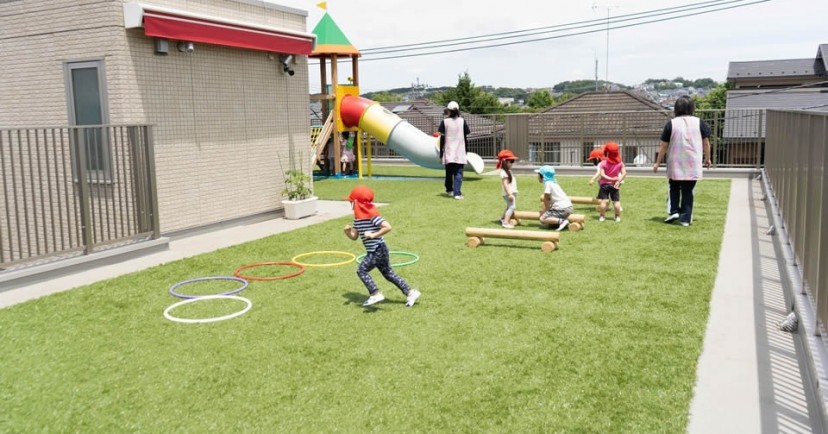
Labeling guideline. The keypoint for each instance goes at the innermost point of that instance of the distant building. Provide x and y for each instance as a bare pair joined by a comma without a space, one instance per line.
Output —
506,101
566,133
756,86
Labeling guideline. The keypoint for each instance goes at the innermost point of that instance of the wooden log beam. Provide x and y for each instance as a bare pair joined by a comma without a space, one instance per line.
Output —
514,234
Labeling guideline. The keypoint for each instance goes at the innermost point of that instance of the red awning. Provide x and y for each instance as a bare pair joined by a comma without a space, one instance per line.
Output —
166,23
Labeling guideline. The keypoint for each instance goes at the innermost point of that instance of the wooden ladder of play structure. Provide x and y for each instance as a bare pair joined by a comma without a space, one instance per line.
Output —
320,137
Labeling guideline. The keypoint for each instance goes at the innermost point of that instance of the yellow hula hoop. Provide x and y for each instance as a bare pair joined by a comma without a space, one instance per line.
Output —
351,258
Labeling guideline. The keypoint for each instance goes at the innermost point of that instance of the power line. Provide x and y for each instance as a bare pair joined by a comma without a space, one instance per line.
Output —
566,35
546,29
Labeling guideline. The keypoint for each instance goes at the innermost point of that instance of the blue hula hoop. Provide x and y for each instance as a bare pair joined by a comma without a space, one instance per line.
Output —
203,279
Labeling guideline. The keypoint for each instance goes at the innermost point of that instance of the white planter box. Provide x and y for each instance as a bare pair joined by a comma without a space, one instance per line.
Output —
296,209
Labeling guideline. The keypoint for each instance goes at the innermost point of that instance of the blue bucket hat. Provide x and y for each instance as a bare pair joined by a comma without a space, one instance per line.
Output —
548,173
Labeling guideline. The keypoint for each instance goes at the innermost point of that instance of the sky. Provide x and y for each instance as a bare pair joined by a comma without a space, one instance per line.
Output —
696,45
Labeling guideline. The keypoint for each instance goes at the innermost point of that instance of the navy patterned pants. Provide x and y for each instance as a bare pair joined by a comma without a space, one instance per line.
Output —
379,259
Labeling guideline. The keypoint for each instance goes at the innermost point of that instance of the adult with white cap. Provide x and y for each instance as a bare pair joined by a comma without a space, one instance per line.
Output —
453,134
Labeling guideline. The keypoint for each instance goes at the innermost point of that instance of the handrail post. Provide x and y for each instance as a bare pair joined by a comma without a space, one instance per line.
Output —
83,191
152,182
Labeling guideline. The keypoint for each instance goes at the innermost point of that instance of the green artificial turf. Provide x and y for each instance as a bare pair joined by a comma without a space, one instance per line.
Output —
601,335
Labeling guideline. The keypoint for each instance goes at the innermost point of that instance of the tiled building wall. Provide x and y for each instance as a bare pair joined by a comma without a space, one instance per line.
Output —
224,119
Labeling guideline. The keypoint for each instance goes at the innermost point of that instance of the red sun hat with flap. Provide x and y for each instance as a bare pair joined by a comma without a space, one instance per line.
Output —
611,150
363,199
503,156
596,154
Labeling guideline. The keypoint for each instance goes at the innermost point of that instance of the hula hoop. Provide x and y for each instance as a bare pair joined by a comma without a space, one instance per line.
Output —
202,279
329,252
206,320
401,264
238,271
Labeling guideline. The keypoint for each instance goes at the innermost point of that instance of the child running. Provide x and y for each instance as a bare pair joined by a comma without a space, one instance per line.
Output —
370,226
508,183
613,173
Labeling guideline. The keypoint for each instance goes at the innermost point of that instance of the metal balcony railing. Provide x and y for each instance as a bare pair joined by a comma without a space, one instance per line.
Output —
67,191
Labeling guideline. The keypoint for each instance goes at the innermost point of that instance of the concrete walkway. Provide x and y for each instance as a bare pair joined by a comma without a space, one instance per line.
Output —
750,378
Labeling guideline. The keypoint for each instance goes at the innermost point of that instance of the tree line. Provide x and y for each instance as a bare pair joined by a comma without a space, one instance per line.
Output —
484,100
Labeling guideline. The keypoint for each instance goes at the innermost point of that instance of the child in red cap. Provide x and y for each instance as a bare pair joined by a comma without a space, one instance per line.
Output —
370,226
612,174
505,159
596,157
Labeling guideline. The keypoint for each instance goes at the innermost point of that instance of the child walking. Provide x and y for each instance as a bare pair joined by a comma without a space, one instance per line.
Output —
596,157
370,226
613,173
508,184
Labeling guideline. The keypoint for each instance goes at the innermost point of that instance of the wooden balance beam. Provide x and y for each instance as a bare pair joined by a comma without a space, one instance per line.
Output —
576,221
477,236
585,200
581,200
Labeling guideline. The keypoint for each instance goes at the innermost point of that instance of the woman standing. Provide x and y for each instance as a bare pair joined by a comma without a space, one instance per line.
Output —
686,143
453,133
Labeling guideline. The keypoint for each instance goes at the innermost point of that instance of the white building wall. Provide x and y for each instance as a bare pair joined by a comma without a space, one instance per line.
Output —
224,118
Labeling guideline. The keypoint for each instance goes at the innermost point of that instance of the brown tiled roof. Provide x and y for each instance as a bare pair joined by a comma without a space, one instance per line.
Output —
618,113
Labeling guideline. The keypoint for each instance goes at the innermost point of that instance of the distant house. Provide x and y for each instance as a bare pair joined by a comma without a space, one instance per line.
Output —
756,86
506,101
566,133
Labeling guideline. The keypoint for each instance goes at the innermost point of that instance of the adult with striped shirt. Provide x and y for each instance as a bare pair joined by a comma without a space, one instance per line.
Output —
686,143
370,226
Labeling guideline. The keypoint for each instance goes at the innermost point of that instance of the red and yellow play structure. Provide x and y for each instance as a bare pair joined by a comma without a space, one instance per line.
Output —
350,112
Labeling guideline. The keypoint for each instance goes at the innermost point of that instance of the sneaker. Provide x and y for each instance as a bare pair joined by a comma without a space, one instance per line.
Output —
673,217
790,324
562,224
458,197
685,224
374,299
449,194
507,226
618,219
413,295
600,219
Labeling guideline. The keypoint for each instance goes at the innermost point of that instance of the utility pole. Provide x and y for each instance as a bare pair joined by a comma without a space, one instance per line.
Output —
596,74
595,8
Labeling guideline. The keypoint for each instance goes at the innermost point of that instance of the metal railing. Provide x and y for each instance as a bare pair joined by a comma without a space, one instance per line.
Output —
795,163
565,139
67,191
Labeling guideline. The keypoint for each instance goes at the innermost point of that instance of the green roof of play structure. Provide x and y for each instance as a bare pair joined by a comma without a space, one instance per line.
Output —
330,39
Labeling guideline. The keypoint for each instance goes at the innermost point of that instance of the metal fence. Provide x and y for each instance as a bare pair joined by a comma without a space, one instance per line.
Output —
796,164
565,139
69,191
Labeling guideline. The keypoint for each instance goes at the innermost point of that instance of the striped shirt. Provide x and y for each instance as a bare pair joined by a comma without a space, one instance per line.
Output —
372,224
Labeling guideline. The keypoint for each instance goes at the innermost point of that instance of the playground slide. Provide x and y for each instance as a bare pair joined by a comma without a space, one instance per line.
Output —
400,136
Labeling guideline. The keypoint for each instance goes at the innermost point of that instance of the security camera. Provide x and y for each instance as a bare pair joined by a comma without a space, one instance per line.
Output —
286,61
186,47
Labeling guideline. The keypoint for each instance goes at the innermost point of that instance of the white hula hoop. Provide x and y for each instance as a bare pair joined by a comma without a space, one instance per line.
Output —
206,320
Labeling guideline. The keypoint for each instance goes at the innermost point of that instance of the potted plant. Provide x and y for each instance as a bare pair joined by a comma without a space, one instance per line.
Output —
299,200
